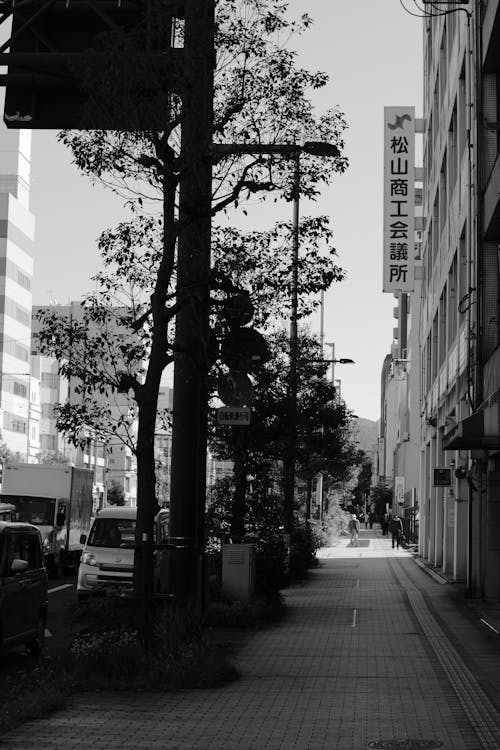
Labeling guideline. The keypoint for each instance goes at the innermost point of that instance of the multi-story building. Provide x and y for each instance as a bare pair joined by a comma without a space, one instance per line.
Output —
111,461
17,389
454,312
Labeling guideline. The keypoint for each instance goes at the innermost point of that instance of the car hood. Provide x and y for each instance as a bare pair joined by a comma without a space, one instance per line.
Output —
119,556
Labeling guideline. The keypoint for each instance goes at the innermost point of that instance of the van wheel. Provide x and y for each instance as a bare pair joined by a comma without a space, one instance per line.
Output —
35,647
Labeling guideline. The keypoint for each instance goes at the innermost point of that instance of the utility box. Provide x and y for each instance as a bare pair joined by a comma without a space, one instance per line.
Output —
238,571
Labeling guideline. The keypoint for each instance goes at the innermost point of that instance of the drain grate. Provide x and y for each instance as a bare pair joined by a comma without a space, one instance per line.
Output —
405,744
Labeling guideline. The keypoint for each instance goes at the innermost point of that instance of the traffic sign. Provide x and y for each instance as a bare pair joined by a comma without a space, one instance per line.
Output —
234,415
235,388
244,349
238,310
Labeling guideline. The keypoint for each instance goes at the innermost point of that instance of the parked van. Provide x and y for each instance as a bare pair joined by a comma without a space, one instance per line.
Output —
107,561
23,587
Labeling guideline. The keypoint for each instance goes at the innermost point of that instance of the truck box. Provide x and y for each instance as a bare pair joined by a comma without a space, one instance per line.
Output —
58,499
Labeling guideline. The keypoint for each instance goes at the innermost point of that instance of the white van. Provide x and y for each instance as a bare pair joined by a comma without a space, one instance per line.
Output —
107,562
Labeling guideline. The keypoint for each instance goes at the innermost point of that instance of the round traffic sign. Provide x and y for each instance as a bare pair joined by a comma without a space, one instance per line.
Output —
235,388
244,349
238,310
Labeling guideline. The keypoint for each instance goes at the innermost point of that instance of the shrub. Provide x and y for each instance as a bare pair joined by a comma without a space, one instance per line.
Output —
333,525
303,546
108,654
33,694
270,567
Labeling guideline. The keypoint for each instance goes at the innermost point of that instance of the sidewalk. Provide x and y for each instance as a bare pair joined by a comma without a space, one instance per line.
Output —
373,653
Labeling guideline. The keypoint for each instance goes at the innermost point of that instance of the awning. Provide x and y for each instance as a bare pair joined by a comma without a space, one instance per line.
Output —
480,431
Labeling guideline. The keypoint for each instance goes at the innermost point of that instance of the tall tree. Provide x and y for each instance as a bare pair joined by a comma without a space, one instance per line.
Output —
260,96
324,439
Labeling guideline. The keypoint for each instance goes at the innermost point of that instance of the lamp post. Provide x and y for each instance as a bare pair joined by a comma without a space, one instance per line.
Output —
291,151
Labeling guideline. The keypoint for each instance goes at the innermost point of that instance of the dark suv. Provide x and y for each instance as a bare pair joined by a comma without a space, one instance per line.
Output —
23,587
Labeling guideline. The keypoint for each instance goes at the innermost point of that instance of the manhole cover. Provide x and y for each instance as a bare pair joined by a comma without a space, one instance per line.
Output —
405,744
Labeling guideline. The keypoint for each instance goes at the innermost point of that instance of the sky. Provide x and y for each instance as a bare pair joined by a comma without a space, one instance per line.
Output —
372,52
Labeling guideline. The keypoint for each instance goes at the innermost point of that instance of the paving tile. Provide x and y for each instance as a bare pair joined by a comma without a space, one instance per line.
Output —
363,655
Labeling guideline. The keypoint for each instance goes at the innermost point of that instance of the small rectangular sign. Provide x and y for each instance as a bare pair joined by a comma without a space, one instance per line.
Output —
442,477
234,415
399,490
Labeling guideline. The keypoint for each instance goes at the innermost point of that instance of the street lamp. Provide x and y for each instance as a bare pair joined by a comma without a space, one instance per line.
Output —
291,151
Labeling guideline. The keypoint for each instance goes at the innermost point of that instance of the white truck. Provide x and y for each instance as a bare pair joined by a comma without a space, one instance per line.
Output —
58,499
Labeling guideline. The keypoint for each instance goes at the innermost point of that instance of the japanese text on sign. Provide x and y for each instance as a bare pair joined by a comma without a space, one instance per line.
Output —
399,199
230,415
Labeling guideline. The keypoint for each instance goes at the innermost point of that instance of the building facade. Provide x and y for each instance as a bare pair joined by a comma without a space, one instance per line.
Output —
17,227
452,317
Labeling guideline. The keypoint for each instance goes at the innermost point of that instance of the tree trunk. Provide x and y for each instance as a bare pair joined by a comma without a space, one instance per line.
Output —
146,511
309,484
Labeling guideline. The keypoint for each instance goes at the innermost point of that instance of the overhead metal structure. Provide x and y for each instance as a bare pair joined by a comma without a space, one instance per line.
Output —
51,42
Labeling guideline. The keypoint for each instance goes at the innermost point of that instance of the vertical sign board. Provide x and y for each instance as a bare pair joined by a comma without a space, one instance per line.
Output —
399,490
399,199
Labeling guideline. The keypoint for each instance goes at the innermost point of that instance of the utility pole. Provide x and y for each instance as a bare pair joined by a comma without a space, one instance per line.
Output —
187,503
291,451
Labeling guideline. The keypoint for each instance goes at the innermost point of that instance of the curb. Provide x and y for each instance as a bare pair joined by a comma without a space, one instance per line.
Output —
437,577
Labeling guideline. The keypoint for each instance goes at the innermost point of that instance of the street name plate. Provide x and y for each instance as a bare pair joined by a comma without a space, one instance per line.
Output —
232,415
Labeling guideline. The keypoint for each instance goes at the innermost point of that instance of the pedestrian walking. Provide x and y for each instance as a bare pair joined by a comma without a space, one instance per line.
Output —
385,524
396,529
371,518
353,528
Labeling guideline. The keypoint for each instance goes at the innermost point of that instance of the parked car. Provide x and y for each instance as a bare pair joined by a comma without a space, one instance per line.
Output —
23,587
107,562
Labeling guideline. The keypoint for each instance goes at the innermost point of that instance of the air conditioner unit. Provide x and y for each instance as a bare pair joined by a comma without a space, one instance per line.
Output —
238,571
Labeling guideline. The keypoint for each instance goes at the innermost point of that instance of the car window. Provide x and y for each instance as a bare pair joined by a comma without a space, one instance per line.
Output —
112,532
23,547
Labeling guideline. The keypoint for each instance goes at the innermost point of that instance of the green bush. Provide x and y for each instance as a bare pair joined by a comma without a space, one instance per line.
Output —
33,694
333,525
303,546
108,653
270,567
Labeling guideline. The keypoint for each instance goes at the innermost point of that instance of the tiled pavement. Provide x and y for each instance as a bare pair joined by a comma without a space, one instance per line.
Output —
373,653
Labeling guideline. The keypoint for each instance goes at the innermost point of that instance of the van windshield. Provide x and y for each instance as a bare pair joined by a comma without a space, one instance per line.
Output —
112,532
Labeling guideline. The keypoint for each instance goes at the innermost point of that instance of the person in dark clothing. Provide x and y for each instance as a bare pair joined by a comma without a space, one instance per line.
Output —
385,524
396,529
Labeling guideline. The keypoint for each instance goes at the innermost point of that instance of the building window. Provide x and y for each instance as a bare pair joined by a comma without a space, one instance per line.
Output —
48,442
14,423
50,380
19,389
47,411
23,280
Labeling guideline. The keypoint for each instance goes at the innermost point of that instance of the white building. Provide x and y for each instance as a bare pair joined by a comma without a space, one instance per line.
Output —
17,227
456,310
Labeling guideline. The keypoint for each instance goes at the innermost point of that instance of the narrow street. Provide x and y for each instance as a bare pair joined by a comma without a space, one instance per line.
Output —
373,653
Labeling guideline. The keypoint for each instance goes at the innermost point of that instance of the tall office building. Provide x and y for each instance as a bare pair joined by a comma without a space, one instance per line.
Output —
18,392
455,309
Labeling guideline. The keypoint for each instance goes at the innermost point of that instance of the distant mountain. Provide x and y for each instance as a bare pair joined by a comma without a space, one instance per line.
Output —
367,434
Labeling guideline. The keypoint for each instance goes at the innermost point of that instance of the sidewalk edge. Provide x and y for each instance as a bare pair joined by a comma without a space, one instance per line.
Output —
428,569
